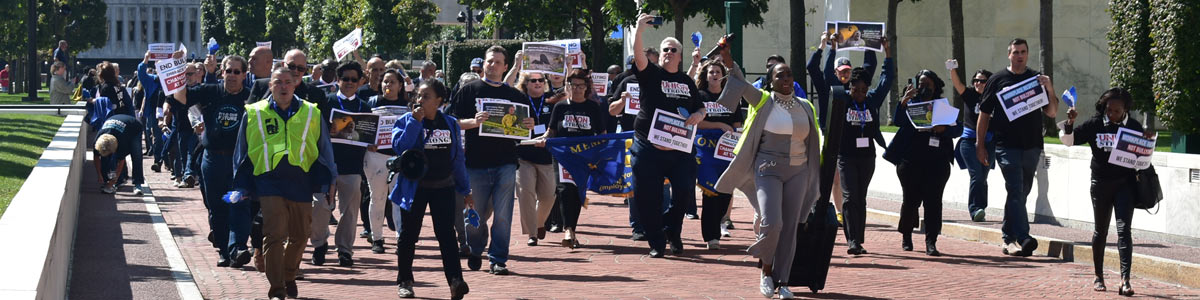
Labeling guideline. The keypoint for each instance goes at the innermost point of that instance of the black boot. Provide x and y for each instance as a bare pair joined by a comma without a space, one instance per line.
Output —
907,244
930,247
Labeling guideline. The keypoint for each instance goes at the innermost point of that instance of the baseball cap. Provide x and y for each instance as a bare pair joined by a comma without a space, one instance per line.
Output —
843,63
477,62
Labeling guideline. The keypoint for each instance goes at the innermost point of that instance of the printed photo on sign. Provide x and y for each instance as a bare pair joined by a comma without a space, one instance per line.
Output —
359,129
860,36
600,83
574,48
171,75
504,120
563,176
1021,98
921,114
634,105
160,51
1132,150
931,113
669,130
348,44
726,145
548,58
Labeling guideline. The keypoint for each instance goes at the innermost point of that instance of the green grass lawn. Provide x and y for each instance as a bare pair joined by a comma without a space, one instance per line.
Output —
22,139
11,99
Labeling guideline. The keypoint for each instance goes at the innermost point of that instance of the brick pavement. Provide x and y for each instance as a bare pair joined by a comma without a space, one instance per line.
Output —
611,266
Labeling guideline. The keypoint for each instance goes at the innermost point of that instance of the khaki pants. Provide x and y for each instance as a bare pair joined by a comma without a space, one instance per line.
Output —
535,193
349,199
285,228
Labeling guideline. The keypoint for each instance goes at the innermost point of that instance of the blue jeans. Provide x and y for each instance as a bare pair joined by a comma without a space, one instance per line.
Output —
218,180
977,195
1018,167
493,191
109,164
155,138
185,142
650,166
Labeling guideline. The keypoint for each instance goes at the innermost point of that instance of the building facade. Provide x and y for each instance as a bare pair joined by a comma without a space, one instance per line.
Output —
134,24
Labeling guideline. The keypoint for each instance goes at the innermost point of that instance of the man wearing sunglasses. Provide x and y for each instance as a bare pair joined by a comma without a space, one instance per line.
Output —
297,62
223,104
347,189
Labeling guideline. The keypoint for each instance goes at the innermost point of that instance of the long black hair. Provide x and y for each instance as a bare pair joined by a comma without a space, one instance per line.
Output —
938,84
1114,94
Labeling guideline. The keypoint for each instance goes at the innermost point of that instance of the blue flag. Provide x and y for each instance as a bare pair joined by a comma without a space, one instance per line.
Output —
697,38
710,168
599,161
1069,97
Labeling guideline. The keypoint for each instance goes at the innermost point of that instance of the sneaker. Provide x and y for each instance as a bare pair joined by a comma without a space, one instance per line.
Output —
108,189
532,242
766,286
978,216
725,232
1011,249
785,293
240,258
290,287
139,190
189,182
655,253
223,261
377,246
345,260
555,228
458,288
366,234
474,262
405,290
318,256
692,216
728,224
714,244
156,167
498,269
638,236
1027,246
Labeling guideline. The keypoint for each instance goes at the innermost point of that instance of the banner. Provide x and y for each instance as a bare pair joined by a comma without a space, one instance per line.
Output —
348,44
600,83
713,156
668,130
1021,98
504,119
1132,150
160,51
574,48
546,57
171,75
388,115
263,44
859,36
602,161
634,105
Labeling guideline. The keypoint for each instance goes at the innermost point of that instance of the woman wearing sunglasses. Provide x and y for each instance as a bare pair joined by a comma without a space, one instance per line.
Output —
964,152
535,174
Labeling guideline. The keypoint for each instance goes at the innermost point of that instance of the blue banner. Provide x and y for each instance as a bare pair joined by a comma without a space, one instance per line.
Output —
710,168
601,161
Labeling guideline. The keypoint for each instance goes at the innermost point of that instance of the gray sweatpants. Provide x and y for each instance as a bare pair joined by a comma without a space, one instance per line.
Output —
349,199
780,189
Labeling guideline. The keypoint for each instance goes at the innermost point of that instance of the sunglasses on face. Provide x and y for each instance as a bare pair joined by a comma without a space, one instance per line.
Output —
297,68
350,79
537,80
233,71
670,50
978,80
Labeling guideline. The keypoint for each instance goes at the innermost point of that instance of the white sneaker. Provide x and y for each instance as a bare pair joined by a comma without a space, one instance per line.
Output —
107,189
725,232
405,290
714,244
785,293
766,286
139,190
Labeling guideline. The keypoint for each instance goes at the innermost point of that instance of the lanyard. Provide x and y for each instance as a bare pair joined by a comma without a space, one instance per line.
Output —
287,112
343,105
537,107
862,123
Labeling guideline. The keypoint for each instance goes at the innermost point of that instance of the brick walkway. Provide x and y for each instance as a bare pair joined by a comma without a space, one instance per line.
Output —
612,266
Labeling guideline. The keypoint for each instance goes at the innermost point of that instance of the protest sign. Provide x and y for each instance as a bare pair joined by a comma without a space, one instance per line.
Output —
600,83
160,51
1021,98
634,105
359,129
925,115
726,146
1132,150
860,36
263,44
348,44
601,161
668,130
504,120
574,49
714,152
171,75
547,57
564,176
388,115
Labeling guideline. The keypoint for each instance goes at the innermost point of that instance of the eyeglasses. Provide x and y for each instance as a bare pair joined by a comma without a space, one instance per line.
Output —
352,79
670,50
233,71
537,80
296,68
978,80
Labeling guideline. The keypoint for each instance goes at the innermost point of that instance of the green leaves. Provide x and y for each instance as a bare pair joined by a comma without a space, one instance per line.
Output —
1176,68
1129,50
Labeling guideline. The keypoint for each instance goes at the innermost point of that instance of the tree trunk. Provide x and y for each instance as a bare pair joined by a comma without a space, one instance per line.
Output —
959,45
894,95
798,43
599,28
1046,37
678,6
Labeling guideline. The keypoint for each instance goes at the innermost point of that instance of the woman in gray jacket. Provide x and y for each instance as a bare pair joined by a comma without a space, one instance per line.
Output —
777,165
60,87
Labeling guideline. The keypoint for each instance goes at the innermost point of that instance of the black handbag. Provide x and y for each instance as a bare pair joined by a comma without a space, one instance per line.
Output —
1147,192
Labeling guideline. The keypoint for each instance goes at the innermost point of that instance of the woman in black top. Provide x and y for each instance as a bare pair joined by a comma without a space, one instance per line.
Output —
1112,185
964,152
922,158
375,162
575,117
710,81
110,86
536,178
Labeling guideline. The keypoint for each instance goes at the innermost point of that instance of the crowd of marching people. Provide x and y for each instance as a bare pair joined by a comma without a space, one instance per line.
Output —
254,134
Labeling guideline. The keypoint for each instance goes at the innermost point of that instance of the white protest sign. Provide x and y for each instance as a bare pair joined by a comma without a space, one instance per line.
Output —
574,48
726,145
1132,150
634,105
1021,98
159,51
925,115
171,74
348,44
668,130
388,115
600,83
263,44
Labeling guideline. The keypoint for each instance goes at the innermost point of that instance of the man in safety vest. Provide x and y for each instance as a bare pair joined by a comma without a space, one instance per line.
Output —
283,147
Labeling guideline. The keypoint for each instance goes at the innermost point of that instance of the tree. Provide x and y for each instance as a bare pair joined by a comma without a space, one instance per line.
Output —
1130,62
414,18
212,21
1046,37
89,30
1176,51
958,47
799,22
282,21
326,21
244,25
894,41
397,26
713,11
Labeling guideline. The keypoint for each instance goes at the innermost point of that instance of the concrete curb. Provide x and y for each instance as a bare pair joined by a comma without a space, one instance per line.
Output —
1163,269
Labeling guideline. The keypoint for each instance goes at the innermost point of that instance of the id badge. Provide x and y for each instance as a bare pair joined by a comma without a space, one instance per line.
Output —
935,142
862,142
539,129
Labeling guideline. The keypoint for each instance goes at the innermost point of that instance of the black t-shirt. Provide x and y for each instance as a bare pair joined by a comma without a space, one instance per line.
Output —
378,101
666,91
485,152
119,97
721,114
625,120
365,92
1024,132
541,114
862,122
125,128
571,119
1102,137
349,158
222,113
970,107
437,148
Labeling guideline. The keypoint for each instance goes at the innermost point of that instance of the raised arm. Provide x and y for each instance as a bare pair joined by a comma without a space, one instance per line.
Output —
515,71
639,57
959,86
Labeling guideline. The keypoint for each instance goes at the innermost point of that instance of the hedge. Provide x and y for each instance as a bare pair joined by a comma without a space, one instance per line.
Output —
1130,62
460,54
1176,52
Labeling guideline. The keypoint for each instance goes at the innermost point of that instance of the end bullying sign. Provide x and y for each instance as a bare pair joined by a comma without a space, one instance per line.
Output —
171,74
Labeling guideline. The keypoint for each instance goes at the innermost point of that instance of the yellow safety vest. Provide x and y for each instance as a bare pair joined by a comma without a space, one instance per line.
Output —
267,142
